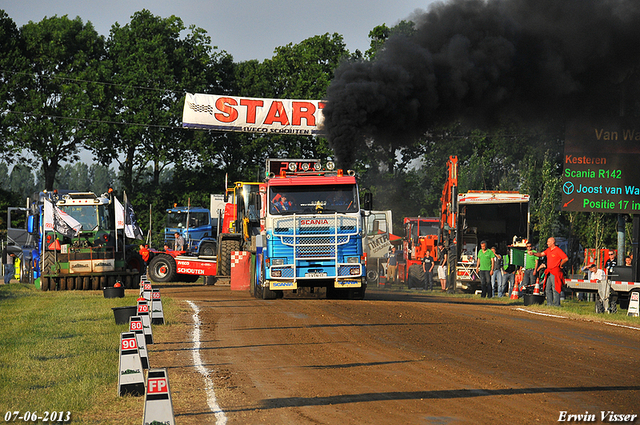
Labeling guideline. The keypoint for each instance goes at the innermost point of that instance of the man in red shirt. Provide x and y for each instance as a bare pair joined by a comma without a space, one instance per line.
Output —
556,258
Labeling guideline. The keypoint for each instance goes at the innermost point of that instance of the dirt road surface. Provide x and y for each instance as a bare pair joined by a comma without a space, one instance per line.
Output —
393,358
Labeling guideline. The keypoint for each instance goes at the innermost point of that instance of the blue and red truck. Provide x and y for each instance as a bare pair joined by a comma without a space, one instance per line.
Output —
312,236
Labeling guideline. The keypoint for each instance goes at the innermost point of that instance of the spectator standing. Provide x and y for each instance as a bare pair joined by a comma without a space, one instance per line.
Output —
611,263
484,268
496,276
509,277
427,267
442,266
8,259
530,266
144,253
556,258
392,265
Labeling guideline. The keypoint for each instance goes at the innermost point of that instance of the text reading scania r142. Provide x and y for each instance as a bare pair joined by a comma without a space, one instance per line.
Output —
313,231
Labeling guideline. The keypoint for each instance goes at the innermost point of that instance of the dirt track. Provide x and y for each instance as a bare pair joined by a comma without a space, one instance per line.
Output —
394,358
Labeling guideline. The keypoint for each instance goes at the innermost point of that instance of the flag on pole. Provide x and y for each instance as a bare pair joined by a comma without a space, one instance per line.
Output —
131,228
60,221
119,210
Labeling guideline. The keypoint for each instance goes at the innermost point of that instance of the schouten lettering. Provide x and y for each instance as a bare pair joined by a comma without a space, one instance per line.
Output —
311,222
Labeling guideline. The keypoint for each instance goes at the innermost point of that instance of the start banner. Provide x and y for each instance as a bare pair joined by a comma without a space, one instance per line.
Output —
252,115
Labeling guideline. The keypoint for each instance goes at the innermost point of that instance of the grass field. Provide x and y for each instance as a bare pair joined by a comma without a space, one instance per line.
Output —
60,353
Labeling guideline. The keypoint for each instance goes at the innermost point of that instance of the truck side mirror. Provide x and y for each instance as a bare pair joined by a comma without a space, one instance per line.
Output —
368,201
32,224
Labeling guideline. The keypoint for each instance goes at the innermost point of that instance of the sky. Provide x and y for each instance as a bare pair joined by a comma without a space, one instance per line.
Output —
247,29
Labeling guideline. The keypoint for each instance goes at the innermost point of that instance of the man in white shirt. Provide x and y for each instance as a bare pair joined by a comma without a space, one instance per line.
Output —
595,273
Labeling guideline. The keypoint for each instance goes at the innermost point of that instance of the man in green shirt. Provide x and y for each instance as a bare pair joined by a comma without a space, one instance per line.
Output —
484,269
530,266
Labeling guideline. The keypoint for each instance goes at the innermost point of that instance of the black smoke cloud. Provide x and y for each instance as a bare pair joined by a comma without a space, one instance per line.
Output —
477,60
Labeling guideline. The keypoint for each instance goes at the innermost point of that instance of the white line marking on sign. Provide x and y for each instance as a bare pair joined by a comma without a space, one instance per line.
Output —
221,418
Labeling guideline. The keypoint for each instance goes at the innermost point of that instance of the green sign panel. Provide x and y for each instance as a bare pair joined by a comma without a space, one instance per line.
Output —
602,167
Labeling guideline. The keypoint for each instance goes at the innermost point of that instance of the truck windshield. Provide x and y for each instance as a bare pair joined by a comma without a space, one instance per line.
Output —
313,199
179,219
92,217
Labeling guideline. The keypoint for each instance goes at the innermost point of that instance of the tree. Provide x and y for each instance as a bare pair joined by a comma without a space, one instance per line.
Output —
55,97
12,63
150,67
21,181
381,33
74,177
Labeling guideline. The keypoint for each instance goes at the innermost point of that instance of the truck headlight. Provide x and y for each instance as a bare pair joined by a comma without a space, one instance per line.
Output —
277,261
276,273
353,259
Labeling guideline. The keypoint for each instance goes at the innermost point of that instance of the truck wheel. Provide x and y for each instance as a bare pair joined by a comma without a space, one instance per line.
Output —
135,261
268,294
44,283
95,283
70,283
162,268
227,246
53,283
599,305
86,283
208,250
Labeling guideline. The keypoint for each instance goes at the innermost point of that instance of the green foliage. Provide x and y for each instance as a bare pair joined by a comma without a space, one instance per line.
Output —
381,33
61,55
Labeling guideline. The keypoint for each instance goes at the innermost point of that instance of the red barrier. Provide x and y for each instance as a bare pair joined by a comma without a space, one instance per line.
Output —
240,270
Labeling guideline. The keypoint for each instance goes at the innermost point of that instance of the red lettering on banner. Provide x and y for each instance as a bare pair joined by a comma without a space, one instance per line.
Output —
158,385
251,105
229,114
277,114
303,110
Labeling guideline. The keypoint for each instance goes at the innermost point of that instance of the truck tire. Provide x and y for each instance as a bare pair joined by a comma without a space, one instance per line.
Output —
162,268
86,283
208,249
95,283
227,246
44,283
599,305
135,261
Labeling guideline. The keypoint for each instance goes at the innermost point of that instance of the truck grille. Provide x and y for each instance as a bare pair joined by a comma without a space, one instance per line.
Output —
317,239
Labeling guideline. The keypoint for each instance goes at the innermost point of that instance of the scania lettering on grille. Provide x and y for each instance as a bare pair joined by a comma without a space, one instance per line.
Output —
314,222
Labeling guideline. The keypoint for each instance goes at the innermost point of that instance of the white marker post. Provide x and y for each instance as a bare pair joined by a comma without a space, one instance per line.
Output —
634,304
158,408
135,326
130,377
146,291
156,308
143,312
